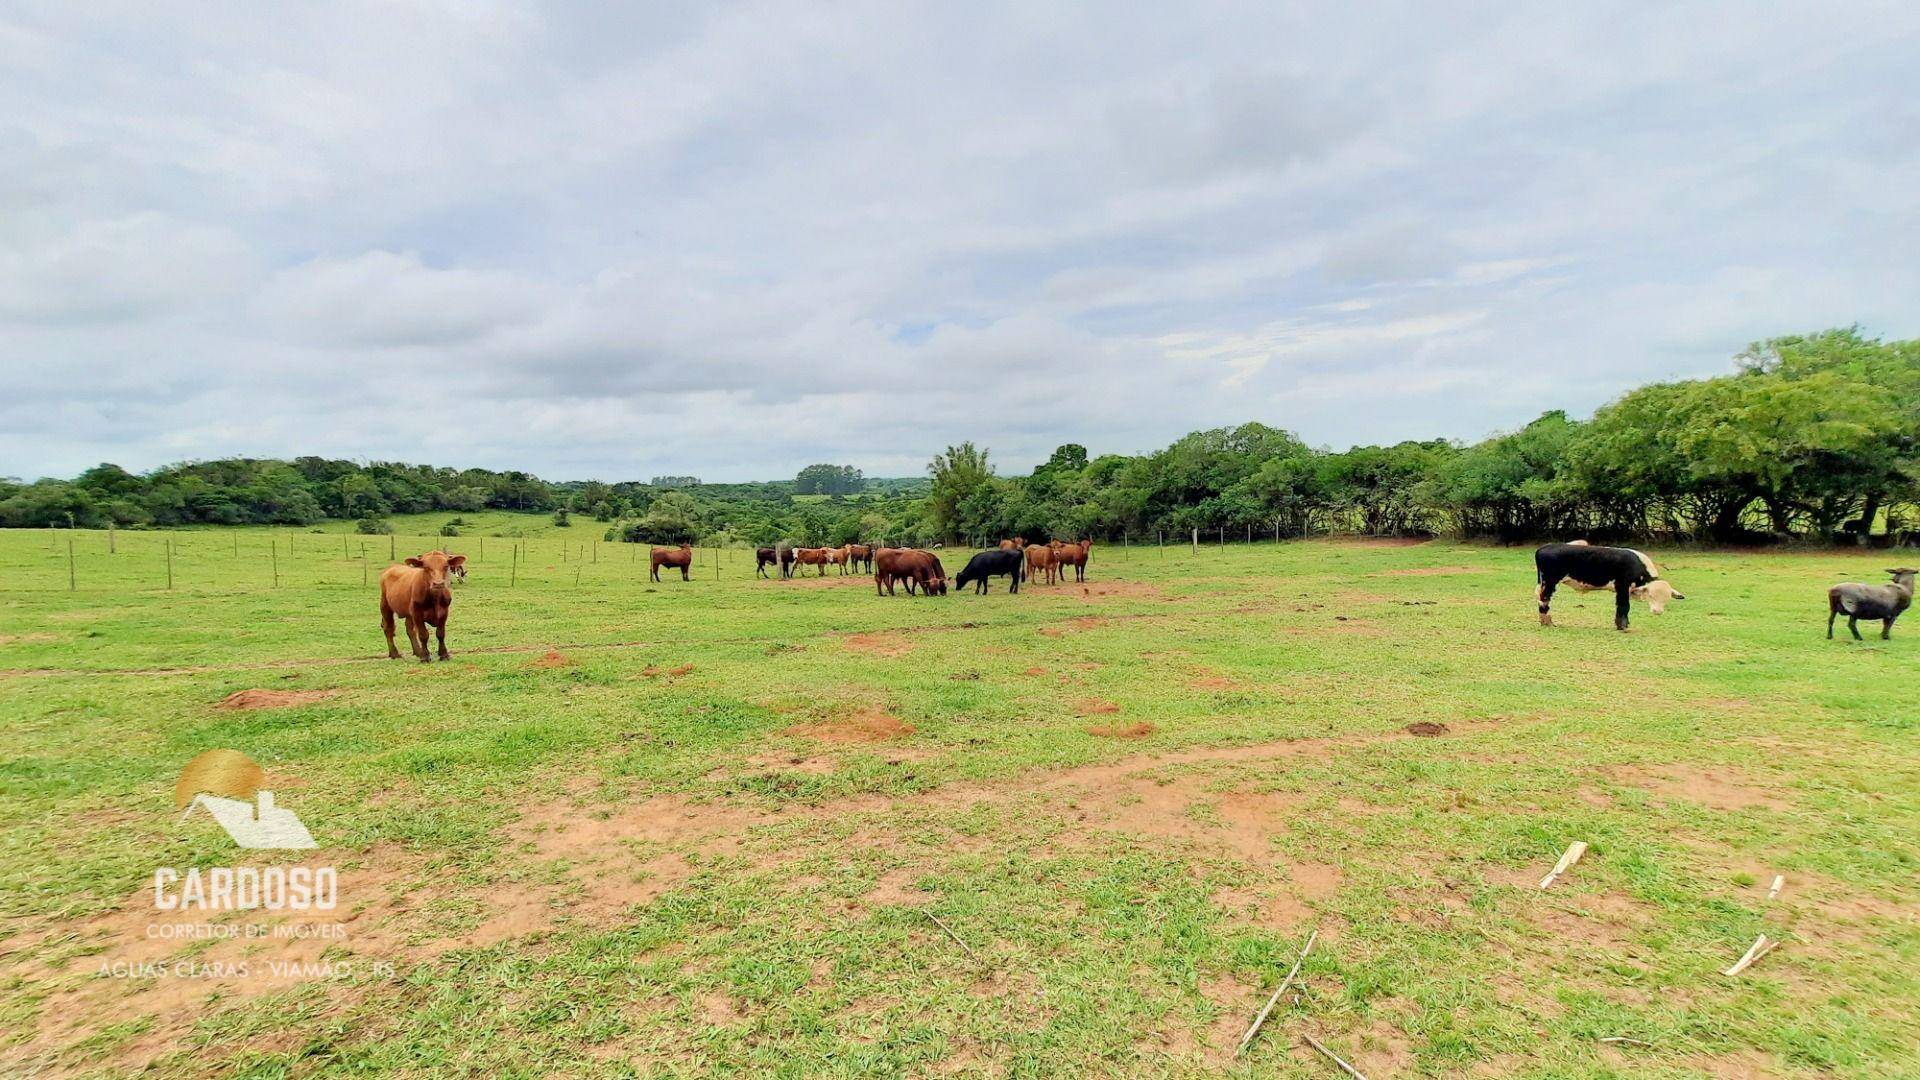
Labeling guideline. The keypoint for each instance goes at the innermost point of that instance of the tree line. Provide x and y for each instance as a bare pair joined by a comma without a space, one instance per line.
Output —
1812,436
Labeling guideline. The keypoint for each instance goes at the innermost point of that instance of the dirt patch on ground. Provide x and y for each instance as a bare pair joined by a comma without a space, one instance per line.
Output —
1718,788
272,699
1213,682
29,639
877,644
1427,728
1139,729
1095,707
870,724
553,658
1036,671
1120,590
1430,571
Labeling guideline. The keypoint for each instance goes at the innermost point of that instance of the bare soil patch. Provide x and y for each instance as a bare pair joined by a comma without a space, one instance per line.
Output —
1110,590
273,699
1095,707
869,724
878,644
1719,788
1139,729
1426,728
553,658
1213,682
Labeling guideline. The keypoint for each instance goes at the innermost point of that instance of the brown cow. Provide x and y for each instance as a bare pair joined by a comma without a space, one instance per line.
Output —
858,554
840,557
1018,543
681,557
804,557
911,566
1074,555
418,593
1040,561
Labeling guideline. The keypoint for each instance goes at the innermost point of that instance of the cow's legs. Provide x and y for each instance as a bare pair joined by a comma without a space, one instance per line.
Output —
1886,629
417,636
1544,594
1853,624
440,637
684,573
1014,587
386,623
655,572
1622,594
1832,614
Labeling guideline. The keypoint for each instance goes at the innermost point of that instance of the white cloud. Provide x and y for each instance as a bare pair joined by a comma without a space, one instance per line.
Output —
732,241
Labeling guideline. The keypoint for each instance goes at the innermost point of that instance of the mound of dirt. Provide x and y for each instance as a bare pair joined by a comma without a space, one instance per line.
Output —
1095,707
1139,729
879,644
871,724
1426,727
554,658
273,699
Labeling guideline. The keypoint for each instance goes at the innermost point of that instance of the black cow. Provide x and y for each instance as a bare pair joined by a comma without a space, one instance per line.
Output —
992,564
763,558
786,560
1629,573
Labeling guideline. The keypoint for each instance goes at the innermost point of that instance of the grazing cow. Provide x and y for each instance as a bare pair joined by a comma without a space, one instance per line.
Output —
989,564
418,593
1074,555
1628,572
764,557
840,557
681,557
911,567
1040,561
1883,602
804,557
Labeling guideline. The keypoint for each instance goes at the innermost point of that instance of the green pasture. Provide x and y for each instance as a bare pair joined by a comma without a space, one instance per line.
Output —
738,826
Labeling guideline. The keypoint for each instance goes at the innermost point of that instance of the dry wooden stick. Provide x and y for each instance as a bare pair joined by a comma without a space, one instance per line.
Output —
1344,1067
1254,1028
1574,851
1779,882
1623,1040
951,934
1760,947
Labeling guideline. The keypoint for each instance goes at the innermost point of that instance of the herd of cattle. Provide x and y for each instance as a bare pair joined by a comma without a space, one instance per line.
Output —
418,591
920,570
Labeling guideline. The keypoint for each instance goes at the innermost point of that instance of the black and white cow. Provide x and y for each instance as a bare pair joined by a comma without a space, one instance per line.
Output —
1629,573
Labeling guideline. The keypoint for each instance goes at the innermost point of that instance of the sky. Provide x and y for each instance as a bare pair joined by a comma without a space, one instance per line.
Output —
616,241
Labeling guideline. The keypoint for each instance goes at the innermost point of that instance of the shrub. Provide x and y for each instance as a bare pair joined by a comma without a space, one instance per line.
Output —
373,526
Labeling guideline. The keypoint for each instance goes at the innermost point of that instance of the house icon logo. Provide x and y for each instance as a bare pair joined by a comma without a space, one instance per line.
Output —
230,787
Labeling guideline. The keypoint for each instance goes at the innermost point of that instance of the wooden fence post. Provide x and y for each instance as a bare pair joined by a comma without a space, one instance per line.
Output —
273,552
1196,540
71,580
170,563
515,578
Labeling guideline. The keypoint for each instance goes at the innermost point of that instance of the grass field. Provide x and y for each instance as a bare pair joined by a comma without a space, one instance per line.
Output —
734,825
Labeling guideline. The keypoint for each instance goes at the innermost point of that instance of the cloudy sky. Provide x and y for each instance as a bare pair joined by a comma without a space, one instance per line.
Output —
734,240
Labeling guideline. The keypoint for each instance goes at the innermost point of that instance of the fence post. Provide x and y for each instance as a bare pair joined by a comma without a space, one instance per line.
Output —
515,578
110,548
1196,539
273,552
170,562
392,554
71,580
